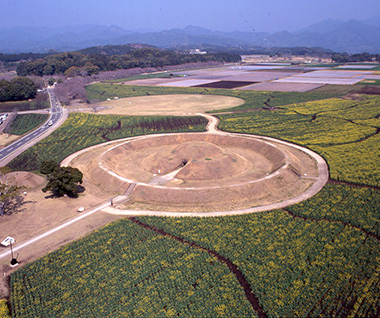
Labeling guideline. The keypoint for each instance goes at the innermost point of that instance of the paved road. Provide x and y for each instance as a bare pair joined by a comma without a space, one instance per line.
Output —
19,146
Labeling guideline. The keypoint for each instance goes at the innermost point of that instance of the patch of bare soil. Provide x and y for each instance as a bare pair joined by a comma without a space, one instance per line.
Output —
177,104
42,212
369,90
27,179
6,139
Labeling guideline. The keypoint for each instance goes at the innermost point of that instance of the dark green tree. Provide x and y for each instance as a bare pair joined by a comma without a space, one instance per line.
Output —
48,166
19,88
51,81
64,180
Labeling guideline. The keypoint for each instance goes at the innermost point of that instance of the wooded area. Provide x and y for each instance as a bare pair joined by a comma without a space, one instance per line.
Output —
19,88
74,63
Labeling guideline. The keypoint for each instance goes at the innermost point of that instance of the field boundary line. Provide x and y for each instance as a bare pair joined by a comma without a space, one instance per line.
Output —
251,297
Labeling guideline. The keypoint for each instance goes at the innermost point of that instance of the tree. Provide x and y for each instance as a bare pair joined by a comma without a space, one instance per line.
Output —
10,198
19,88
64,180
48,166
51,81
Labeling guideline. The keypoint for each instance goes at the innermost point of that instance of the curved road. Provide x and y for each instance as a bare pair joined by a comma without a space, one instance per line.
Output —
57,116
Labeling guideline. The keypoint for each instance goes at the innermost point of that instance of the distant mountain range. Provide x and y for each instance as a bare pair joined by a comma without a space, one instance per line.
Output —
339,36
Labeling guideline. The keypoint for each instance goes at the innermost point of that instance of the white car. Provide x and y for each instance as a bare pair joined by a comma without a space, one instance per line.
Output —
50,122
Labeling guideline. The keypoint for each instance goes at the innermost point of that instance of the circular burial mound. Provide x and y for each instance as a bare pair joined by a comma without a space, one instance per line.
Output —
202,172
176,104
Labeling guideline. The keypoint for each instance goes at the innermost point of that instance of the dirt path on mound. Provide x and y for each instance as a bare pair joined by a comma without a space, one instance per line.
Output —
212,126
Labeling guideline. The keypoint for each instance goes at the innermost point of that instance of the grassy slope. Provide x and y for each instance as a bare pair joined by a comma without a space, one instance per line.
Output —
26,122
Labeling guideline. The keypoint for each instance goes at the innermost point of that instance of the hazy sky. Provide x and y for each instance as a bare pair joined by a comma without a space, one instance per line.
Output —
224,15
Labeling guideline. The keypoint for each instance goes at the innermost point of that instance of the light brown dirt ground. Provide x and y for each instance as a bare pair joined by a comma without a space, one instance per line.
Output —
181,104
6,139
42,213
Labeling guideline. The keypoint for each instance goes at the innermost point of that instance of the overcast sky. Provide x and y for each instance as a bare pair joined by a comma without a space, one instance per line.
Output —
223,15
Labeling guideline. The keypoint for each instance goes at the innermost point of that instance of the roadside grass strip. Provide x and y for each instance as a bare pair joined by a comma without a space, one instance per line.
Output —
24,123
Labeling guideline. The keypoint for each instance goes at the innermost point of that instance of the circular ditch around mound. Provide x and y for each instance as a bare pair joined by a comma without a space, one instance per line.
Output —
204,172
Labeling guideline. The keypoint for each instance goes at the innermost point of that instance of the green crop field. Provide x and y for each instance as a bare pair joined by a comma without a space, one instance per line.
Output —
319,258
26,122
84,130
369,82
196,281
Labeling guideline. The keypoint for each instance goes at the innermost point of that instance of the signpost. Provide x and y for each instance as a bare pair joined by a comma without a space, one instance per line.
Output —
8,241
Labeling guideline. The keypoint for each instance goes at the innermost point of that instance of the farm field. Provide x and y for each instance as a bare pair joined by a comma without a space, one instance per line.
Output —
253,99
200,284
268,77
319,258
344,132
142,77
283,87
314,259
319,80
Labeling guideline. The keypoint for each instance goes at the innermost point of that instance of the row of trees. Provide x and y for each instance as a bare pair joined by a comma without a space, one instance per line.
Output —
72,64
362,57
19,88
